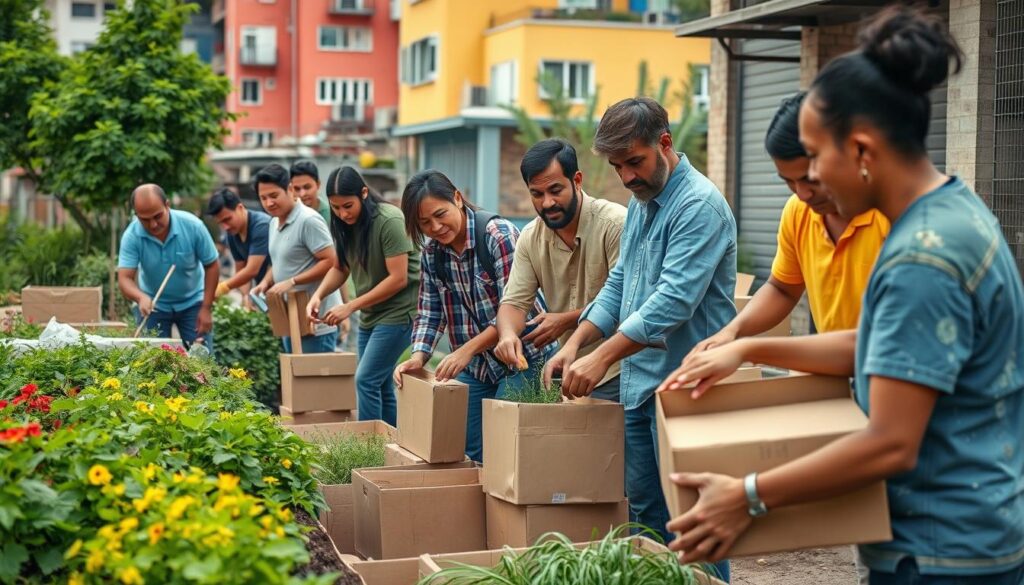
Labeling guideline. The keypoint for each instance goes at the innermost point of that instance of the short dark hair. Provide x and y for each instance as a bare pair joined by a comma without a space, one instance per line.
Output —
428,183
904,53
540,155
273,174
223,198
632,119
782,141
305,167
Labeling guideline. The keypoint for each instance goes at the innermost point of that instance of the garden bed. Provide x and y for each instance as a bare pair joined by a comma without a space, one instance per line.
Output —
323,556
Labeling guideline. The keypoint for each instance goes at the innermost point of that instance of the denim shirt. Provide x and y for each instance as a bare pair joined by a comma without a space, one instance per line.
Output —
945,309
674,282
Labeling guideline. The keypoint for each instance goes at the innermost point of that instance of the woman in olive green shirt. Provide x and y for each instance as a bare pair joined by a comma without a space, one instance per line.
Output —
374,249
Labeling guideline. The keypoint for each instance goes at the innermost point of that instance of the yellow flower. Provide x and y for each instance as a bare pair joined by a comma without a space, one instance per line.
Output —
95,561
287,463
76,579
279,531
153,494
130,576
130,523
144,406
238,373
227,482
72,552
147,385
285,515
178,477
111,384
116,490
155,532
115,396
176,404
271,480
99,475
267,522
224,415
150,472
256,510
109,532
178,507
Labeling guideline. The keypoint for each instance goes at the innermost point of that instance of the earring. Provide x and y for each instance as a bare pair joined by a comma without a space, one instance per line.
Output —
864,174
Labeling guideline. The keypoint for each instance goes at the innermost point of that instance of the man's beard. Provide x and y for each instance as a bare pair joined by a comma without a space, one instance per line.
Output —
567,214
644,190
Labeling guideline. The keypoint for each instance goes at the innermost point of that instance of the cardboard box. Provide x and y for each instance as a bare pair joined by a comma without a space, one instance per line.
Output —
65,303
318,381
434,563
743,427
744,282
396,456
390,572
403,513
520,526
432,417
567,453
90,327
290,419
362,427
783,329
287,315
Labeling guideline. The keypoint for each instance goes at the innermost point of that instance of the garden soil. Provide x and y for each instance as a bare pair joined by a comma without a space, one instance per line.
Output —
821,566
323,558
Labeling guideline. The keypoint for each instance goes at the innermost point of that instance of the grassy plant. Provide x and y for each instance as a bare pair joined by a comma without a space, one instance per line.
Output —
533,391
556,560
343,452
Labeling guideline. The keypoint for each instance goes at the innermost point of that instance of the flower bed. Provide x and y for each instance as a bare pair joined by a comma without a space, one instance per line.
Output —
144,465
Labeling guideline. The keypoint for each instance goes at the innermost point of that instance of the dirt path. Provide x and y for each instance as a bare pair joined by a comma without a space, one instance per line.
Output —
823,566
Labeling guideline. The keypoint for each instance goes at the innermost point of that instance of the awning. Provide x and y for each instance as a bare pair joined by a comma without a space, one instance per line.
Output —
776,19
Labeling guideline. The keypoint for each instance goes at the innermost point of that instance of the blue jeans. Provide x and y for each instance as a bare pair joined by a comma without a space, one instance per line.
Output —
477,392
607,391
313,343
907,574
643,483
379,349
185,319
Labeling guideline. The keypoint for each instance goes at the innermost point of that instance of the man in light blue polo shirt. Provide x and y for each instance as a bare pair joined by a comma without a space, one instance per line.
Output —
157,239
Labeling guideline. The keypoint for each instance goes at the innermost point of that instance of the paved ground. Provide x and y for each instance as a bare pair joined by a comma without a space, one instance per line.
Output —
823,566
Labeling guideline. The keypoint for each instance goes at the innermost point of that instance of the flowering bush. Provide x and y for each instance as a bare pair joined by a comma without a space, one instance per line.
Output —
144,465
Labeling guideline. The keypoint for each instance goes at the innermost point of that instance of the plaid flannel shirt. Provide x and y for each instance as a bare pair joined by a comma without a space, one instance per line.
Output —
441,308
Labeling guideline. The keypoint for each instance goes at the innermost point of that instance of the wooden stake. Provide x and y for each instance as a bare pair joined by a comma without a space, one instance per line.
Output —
156,298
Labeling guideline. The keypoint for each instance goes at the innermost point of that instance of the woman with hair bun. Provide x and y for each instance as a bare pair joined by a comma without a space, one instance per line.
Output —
938,357
369,235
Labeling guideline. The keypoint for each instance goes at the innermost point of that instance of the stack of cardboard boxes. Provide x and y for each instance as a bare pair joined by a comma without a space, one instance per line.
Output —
80,307
315,388
553,468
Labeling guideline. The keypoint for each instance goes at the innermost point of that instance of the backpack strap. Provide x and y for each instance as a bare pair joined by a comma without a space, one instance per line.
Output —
483,251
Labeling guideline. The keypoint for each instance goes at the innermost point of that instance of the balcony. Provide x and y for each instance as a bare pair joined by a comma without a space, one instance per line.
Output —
351,7
217,12
576,14
258,56
351,114
217,63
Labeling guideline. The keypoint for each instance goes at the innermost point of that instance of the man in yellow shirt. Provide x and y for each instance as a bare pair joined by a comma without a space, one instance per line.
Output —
819,251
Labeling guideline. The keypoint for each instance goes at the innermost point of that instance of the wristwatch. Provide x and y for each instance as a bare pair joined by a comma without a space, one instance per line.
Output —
755,507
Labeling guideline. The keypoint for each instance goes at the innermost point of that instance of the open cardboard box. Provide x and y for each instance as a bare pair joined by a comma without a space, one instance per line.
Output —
567,453
318,382
404,512
432,417
291,419
388,572
520,526
287,314
434,563
68,304
743,427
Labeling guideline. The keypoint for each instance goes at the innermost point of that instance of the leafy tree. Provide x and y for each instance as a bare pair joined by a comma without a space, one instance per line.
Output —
28,63
689,134
131,109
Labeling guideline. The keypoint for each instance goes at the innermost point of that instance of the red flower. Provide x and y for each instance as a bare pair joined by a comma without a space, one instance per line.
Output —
57,424
166,347
33,429
3,404
28,390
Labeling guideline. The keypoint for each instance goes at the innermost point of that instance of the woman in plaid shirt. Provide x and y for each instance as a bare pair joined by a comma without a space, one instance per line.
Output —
459,294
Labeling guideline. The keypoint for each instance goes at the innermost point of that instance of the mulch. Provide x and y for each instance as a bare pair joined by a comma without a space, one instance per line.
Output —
322,554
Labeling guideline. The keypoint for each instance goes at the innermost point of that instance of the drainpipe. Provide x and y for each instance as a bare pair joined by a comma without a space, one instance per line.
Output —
294,65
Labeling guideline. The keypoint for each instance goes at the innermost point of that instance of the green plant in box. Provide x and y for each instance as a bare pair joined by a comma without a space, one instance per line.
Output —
533,391
341,453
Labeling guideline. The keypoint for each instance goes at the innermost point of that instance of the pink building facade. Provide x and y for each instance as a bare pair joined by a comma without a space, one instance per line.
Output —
335,70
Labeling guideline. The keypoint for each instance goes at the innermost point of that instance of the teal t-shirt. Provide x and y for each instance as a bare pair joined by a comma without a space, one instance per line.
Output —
945,309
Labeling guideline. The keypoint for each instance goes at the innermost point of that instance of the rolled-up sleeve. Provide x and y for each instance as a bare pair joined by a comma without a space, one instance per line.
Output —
695,244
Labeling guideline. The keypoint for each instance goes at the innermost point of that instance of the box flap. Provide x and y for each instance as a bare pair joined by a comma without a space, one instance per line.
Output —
322,364
388,572
366,427
413,477
426,377
795,388
744,282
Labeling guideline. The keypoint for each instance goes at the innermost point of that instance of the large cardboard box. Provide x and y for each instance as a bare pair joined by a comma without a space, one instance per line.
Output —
402,512
290,419
389,572
783,329
743,427
432,417
396,456
287,314
434,563
65,303
567,453
744,282
338,519
318,382
520,526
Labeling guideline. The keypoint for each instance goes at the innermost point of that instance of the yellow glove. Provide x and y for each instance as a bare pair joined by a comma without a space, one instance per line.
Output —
222,289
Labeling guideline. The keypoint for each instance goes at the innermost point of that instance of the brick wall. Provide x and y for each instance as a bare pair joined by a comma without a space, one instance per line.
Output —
819,45
719,163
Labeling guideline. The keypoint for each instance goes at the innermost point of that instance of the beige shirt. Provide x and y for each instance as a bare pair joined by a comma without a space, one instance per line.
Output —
570,278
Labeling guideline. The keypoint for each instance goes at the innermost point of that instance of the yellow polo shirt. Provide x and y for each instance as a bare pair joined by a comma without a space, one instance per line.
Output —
835,275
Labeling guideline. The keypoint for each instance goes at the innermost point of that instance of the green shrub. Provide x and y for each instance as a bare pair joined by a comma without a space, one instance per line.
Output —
341,453
244,339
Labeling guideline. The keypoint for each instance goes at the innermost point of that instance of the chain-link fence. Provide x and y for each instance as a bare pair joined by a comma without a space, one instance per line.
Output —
1008,185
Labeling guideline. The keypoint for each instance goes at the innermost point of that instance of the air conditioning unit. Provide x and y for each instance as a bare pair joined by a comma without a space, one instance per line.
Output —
348,112
384,119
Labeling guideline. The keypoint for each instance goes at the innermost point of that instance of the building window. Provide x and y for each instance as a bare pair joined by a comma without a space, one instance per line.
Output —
504,84
702,87
345,38
80,46
419,61
109,7
331,91
251,95
83,10
576,78
259,45
257,138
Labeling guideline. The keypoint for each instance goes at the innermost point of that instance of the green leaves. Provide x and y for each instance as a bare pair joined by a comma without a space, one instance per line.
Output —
12,555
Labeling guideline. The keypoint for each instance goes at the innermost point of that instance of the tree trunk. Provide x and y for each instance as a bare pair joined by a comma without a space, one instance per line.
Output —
115,225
